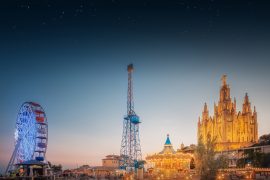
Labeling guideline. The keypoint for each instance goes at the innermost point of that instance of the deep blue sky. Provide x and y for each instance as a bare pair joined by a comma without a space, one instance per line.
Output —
71,57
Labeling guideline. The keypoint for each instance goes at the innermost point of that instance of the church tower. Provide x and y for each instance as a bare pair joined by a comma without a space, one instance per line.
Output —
231,130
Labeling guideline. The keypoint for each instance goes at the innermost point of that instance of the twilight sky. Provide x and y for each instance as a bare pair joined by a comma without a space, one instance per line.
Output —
71,57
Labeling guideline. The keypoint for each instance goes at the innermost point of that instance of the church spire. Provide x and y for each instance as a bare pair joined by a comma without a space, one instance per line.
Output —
224,90
246,99
205,113
205,109
234,104
255,113
215,108
246,105
224,80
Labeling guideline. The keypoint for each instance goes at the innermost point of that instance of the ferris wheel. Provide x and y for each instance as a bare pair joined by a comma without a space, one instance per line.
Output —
31,135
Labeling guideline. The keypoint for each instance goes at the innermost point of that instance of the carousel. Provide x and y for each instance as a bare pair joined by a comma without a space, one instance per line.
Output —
168,162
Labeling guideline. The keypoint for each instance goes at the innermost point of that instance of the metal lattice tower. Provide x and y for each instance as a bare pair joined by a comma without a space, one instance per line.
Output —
130,146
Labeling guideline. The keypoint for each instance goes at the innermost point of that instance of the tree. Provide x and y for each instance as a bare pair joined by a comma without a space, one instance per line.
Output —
264,139
266,160
56,169
222,162
207,163
205,158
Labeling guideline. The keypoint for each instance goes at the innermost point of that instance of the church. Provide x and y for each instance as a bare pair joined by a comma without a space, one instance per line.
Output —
231,129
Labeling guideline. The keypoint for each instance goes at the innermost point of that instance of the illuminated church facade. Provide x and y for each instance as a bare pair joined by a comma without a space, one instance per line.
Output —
230,129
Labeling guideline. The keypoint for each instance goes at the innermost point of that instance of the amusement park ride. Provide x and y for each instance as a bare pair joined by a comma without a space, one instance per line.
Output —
130,151
31,135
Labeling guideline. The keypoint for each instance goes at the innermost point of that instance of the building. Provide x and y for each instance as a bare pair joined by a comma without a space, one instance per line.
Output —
236,154
169,162
109,169
187,149
111,161
84,170
230,129
99,172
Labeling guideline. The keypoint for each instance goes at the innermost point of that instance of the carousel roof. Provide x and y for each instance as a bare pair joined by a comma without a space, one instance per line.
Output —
168,141
169,153
168,148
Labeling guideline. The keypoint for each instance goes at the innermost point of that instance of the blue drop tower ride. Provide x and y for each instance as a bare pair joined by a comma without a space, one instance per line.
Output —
130,151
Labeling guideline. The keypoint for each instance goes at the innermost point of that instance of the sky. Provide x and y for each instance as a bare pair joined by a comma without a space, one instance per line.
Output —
71,57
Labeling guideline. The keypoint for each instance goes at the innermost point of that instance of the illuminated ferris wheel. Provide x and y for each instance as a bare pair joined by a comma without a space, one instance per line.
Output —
31,135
